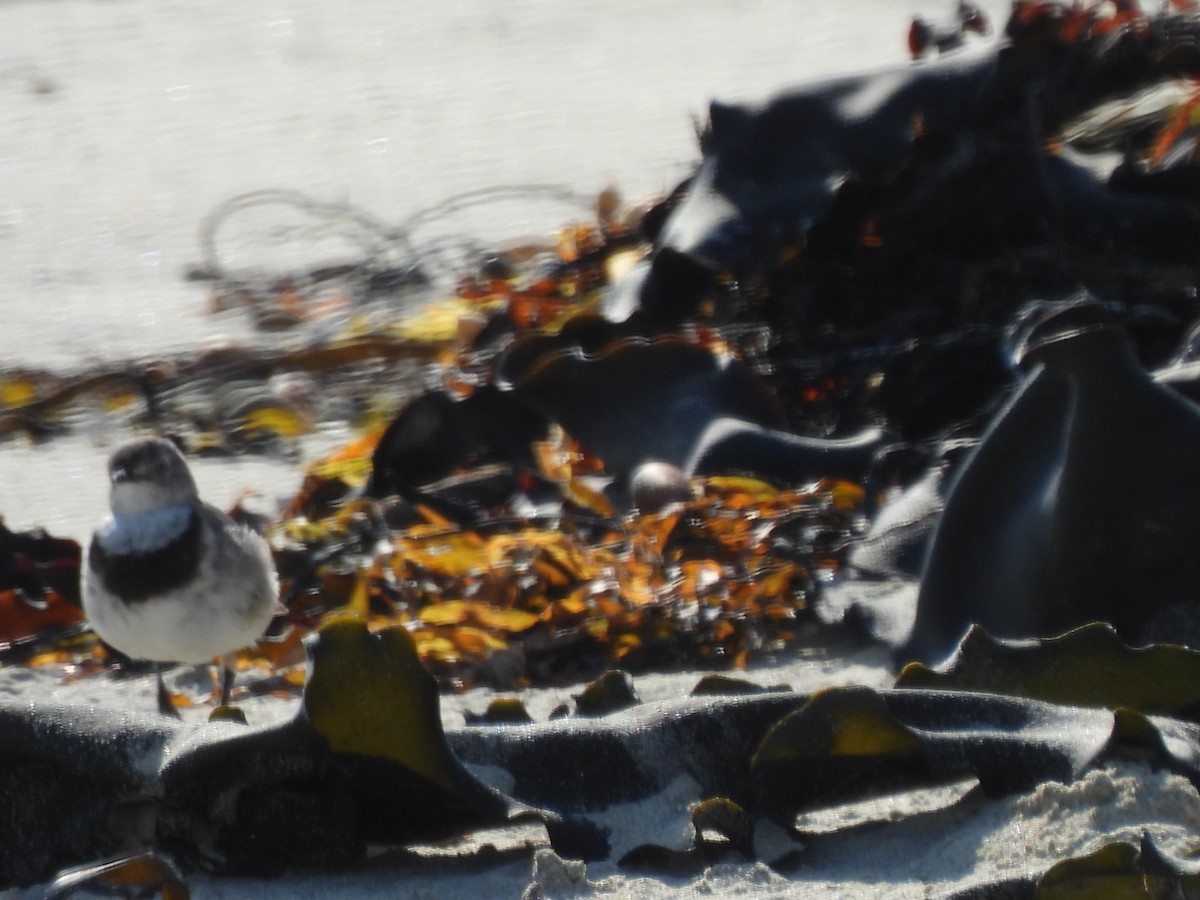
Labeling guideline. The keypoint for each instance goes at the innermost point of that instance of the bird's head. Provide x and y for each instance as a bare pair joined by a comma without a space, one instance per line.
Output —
147,475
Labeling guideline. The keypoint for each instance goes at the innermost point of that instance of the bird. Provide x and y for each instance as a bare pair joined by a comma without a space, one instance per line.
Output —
169,578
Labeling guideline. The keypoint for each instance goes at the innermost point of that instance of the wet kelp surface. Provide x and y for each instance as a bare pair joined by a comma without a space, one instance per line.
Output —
365,763
651,444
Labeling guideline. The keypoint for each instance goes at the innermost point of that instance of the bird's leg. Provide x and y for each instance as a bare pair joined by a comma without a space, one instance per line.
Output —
165,705
224,712
228,673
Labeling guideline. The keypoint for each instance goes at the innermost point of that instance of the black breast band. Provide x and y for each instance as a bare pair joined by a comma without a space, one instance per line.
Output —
140,576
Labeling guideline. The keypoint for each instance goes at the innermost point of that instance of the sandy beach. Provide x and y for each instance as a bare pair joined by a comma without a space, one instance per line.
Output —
129,121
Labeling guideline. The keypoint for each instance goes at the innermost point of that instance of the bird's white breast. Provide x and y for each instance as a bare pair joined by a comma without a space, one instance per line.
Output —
139,533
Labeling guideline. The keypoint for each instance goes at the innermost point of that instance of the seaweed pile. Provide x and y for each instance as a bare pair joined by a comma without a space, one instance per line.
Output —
471,516
653,442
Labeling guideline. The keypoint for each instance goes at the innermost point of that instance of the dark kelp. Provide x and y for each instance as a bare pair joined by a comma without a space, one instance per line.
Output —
886,226
365,761
850,743
907,143
1120,870
437,434
673,401
1089,666
1078,504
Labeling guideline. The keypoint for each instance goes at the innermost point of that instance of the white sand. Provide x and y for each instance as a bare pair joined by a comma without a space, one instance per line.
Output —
126,122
